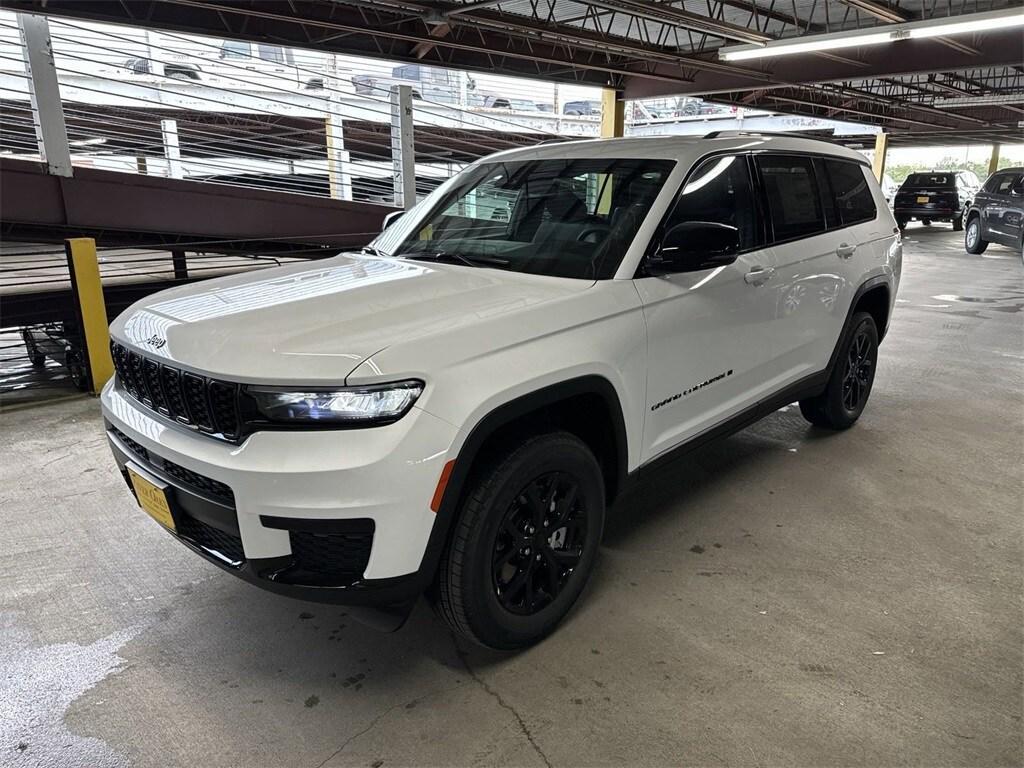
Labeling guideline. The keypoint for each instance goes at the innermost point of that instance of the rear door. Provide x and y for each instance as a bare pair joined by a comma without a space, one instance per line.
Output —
812,255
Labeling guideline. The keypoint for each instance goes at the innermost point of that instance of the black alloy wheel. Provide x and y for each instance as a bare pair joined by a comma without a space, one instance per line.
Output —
539,544
859,371
525,541
849,384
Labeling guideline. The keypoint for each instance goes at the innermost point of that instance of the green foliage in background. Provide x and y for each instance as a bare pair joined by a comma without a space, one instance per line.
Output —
900,172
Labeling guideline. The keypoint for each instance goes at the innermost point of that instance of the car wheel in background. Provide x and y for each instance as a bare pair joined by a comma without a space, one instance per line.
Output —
524,544
926,222
901,223
849,386
973,243
958,223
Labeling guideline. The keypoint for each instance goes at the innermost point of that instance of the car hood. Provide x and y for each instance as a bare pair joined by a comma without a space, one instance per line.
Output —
315,322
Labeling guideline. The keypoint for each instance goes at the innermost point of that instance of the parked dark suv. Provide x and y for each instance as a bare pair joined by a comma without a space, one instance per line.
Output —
935,196
997,215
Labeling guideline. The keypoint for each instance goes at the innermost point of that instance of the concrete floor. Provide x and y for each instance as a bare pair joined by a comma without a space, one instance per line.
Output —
785,597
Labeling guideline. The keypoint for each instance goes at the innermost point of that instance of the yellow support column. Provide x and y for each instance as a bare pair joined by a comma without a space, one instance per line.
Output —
613,114
993,161
92,310
881,149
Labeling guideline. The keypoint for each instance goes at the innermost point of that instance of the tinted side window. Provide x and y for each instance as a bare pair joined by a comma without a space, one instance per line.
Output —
1006,182
853,199
792,192
719,191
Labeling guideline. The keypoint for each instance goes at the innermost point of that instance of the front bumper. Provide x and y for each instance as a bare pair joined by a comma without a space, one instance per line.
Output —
339,516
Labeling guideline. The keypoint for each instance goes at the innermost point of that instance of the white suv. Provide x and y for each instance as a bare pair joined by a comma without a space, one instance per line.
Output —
452,410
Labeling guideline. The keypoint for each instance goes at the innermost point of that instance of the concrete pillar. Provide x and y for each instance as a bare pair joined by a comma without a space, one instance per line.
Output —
881,150
403,152
172,152
47,112
993,161
613,114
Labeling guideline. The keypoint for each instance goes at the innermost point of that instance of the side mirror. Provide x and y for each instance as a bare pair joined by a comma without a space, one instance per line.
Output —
391,218
696,245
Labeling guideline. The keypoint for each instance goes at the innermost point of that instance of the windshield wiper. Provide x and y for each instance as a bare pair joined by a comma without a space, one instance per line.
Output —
469,261
373,250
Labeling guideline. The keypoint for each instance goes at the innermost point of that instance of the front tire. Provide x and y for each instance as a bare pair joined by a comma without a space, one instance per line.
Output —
973,242
958,223
849,386
524,544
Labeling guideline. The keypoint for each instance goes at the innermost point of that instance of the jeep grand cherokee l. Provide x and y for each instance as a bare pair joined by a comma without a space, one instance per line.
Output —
935,196
451,411
997,214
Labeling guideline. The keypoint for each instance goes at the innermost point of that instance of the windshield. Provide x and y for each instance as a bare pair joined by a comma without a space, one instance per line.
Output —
565,217
929,180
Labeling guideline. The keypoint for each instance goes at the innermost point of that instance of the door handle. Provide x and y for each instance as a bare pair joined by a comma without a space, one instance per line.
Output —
845,250
759,275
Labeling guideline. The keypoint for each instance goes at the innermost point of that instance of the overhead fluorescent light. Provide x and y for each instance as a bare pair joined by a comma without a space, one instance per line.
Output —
87,142
940,27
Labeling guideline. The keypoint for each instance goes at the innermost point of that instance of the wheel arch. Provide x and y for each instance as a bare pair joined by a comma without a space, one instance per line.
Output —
586,406
875,296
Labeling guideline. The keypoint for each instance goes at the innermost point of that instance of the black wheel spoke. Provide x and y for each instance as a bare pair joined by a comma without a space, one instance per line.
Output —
539,543
565,504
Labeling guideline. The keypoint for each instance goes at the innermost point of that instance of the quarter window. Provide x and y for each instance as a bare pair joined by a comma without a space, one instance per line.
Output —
794,204
719,191
853,199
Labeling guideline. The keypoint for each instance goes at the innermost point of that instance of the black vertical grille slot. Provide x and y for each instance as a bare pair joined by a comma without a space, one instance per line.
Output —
194,388
135,375
188,398
151,373
223,401
171,380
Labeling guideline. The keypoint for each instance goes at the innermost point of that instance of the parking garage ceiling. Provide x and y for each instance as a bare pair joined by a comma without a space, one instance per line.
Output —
939,90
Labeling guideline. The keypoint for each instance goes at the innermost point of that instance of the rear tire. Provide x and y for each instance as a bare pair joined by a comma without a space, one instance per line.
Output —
849,386
973,243
901,223
958,223
524,543
926,222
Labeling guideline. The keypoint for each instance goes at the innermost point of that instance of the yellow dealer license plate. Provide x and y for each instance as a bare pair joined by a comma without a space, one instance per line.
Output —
922,199
152,498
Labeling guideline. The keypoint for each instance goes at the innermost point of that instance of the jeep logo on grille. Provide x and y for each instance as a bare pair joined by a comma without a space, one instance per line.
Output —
155,341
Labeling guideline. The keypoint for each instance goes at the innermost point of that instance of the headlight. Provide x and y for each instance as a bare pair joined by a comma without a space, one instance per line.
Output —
354,406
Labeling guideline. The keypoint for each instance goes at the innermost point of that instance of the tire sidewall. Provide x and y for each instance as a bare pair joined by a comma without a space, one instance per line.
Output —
492,623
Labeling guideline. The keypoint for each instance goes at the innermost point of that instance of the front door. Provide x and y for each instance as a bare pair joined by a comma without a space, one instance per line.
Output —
708,332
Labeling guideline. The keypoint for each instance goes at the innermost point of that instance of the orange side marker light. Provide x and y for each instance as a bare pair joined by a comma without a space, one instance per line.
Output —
442,483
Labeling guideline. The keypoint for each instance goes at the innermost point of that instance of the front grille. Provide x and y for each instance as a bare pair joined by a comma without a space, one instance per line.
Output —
332,554
208,404
211,539
207,486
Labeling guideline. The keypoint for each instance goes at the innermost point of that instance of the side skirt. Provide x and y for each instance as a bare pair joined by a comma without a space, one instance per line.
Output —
809,386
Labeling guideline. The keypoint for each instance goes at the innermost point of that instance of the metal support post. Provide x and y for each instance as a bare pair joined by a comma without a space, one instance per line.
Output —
169,132
993,161
613,114
338,174
403,157
47,112
84,268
